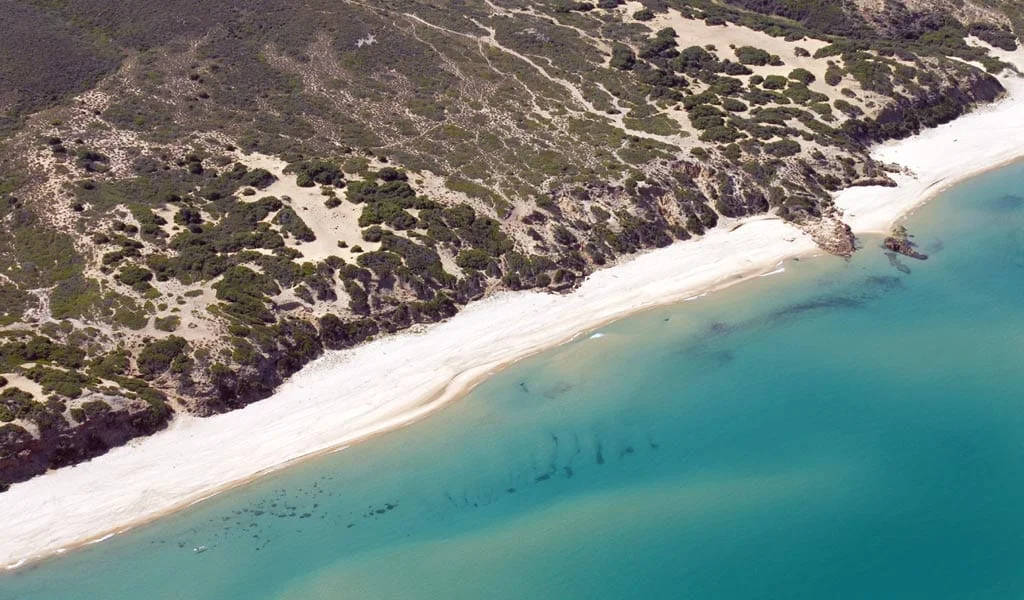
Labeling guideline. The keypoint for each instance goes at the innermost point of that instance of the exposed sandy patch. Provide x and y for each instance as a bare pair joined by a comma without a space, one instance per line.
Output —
432,186
1013,58
196,322
694,32
330,225
24,384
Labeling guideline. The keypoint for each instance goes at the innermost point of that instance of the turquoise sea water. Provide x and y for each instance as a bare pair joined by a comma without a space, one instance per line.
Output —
848,429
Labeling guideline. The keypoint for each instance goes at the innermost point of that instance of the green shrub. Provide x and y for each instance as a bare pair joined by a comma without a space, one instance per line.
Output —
662,46
169,323
65,383
822,108
749,55
473,258
802,75
95,408
135,277
317,171
725,86
724,134
782,148
391,174
850,110
873,75
733,105
643,15
156,357
996,35
382,263
801,94
338,334
391,213
17,404
693,60
110,365
258,178
292,224
622,57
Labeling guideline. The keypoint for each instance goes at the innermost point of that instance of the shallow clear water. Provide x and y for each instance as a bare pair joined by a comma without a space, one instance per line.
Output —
843,430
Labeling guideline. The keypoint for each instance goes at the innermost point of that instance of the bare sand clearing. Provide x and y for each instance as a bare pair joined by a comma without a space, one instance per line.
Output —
351,395
695,32
329,225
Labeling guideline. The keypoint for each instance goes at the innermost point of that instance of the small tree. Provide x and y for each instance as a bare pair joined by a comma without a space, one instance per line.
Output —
802,75
750,55
622,57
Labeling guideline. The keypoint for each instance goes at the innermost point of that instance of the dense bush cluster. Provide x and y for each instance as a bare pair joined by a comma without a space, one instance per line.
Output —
317,171
386,203
160,355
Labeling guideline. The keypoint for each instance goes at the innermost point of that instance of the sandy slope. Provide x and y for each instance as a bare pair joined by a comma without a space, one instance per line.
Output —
350,395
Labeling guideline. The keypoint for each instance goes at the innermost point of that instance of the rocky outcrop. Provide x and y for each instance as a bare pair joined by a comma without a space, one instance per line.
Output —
901,243
831,234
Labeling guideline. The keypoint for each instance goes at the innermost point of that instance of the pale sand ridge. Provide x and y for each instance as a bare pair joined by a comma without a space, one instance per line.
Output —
347,396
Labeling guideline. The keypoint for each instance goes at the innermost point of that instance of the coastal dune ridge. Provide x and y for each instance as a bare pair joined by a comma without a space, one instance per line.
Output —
348,396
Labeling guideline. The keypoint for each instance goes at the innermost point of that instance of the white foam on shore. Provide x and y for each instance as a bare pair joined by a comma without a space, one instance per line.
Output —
347,396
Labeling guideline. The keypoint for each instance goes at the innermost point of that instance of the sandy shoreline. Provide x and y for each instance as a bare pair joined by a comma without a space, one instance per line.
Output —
348,396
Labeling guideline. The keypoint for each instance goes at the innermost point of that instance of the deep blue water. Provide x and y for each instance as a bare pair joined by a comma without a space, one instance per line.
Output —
848,429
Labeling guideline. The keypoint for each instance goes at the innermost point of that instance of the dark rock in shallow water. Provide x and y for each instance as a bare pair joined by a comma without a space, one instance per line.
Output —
900,242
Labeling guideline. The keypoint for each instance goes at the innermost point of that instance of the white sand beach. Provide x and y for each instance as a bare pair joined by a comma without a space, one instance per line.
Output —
347,396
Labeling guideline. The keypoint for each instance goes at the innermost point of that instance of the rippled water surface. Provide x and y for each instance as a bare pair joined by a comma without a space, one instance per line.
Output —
846,429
